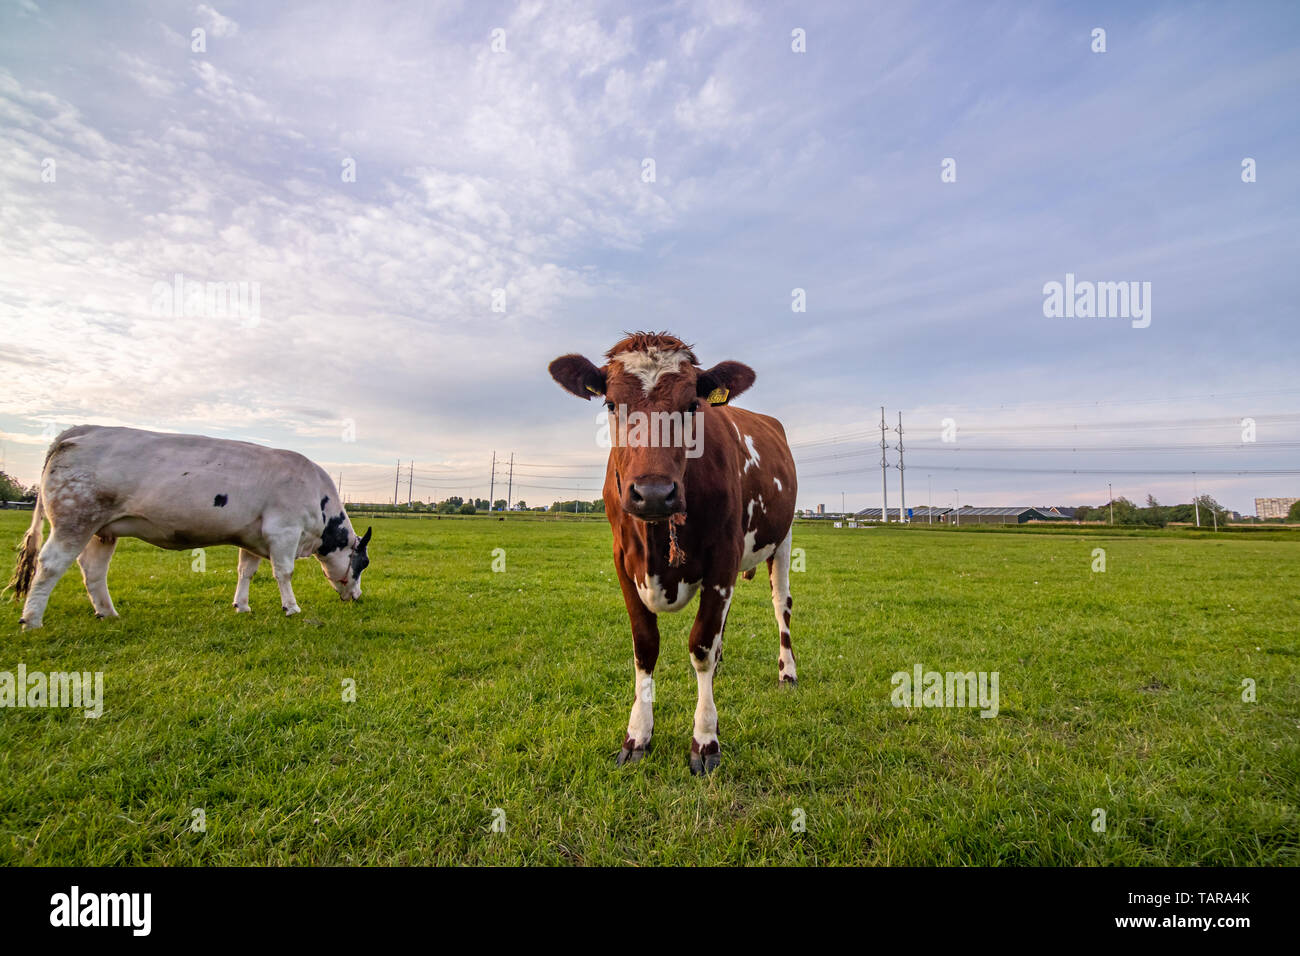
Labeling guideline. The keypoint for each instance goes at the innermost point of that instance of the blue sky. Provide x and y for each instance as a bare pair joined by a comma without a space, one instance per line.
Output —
521,170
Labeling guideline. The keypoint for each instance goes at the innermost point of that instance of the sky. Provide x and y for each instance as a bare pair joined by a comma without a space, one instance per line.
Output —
864,203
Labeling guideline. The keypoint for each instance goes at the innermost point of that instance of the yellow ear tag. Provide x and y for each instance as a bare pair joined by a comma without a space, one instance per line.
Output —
718,396
592,390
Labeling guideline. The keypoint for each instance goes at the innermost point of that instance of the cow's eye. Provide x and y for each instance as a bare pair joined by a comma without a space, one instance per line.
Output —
610,406
694,407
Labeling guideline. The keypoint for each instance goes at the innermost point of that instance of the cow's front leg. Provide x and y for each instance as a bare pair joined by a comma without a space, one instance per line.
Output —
284,551
706,651
248,563
645,652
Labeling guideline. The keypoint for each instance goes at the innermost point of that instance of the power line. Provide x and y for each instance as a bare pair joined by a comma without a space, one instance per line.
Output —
1119,402
1135,437
1276,473
1070,427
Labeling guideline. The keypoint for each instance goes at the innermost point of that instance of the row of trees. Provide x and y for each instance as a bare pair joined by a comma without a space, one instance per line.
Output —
596,507
455,505
458,505
12,490
1155,514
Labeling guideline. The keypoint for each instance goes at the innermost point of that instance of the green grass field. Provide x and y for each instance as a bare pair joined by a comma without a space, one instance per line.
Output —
1120,691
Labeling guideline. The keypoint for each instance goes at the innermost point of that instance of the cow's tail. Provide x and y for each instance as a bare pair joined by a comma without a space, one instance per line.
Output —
28,551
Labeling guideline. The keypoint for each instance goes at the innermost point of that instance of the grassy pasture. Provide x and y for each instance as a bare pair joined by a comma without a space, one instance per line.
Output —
1120,691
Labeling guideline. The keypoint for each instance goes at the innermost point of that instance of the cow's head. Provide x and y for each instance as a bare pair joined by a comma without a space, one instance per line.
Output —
657,398
343,564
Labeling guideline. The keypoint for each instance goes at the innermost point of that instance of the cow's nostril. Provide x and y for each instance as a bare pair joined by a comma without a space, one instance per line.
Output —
636,495
672,495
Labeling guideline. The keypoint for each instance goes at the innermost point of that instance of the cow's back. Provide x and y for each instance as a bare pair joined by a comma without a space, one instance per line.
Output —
175,491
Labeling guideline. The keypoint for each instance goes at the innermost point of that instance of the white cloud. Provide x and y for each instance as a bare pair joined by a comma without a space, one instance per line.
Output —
216,24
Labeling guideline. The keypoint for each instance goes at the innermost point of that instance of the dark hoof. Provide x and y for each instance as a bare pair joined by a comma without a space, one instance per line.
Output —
788,682
99,617
704,760
630,753
748,575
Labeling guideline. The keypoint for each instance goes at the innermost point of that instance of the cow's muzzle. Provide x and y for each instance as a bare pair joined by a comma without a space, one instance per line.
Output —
653,498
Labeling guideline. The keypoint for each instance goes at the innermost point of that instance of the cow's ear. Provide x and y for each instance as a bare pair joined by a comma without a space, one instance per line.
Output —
578,376
365,540
724,382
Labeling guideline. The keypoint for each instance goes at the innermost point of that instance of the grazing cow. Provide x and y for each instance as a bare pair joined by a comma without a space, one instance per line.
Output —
180,492
688,512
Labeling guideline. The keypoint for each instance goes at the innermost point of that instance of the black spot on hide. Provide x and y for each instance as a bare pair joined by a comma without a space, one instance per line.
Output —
334,537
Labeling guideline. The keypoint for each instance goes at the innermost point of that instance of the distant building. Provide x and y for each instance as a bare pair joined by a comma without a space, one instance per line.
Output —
1273,507
923,514
1012,515
821,509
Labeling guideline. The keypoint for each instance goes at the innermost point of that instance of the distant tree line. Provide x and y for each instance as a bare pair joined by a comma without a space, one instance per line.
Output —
12,490
1155,515
579,507
462,506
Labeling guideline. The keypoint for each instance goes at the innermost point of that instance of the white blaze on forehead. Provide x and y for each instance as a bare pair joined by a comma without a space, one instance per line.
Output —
651,365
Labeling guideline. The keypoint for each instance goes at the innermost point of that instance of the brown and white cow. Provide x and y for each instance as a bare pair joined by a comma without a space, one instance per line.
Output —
696,492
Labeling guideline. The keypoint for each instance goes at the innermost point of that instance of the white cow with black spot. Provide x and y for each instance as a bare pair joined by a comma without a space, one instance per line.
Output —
182,492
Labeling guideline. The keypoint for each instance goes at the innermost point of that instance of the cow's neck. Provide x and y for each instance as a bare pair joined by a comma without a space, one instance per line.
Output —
654,540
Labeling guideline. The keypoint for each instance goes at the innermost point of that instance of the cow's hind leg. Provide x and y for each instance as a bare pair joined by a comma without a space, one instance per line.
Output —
248,562
778,570
56,557
283,554
94,571
706,651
